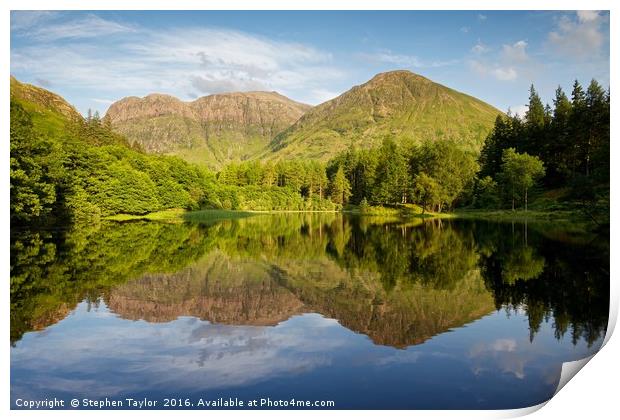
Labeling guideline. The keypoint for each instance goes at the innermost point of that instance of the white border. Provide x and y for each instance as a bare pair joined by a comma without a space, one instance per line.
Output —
591,395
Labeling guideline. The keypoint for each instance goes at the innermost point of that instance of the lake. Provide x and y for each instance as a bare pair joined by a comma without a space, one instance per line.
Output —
366,312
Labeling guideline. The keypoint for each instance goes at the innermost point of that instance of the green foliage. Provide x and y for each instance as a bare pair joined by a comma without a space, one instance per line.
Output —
519,173
426,191
287,185
488,194
260,198
86,172
452,168
391,180
364,206
391,174
523,264
572,141
340,190
34,163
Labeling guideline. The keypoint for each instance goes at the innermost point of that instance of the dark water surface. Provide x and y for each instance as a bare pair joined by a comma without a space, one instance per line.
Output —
368,313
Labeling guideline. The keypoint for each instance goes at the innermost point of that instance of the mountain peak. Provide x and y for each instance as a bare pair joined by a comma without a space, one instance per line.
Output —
212,129
401,105
43,99
397,76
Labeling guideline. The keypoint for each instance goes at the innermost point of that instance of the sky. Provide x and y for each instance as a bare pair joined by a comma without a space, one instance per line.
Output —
95,58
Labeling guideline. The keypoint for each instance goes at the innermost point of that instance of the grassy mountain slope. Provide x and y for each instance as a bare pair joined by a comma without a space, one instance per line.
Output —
398,104
50,113
216,129
211,130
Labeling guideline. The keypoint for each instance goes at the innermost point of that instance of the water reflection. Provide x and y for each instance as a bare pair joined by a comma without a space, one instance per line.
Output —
294,301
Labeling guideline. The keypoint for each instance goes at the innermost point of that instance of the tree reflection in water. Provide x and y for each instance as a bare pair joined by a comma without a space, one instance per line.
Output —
398,282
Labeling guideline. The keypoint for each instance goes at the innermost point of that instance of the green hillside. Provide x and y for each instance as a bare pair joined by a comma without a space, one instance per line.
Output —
401,105
50,113
67,168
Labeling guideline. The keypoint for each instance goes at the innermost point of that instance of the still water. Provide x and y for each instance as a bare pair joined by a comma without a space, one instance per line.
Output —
364,312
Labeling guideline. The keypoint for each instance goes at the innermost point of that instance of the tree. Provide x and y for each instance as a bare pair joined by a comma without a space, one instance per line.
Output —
596,147
519,172
577,128
391,176
426,191
449,165
535,115
487,193
364,206
340,188
557,153
33,187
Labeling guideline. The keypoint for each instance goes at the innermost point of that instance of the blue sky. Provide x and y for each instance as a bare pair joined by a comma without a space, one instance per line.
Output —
95,58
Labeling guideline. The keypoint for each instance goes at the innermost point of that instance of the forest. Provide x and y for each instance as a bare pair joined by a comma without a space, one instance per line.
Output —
88,171
563,148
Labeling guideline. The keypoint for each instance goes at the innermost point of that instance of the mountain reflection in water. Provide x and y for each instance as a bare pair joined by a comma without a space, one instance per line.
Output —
285,298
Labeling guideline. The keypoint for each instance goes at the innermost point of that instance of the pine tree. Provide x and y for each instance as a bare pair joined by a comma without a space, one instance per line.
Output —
559,148
535,115
534,124
340,188
597,137
578,129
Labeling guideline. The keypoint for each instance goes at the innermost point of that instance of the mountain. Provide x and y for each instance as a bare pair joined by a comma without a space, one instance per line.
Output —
50,112
211,130
402,105
228,290
220,128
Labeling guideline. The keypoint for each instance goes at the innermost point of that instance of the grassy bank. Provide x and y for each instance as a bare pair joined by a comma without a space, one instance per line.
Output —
164,215
181,215
401,211
398,210
520,215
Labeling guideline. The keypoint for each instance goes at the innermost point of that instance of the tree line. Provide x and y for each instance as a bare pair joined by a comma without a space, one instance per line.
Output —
432,174
566,146
87,170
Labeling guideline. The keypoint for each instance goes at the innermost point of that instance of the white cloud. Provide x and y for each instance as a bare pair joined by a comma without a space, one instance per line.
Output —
504,73
391,58
480,48
323,95
405,60
587,15
512,61
504,344
103,101
197,61
497,71
515,52
22,20
89,26
580,38
182,354
482,17
464,29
